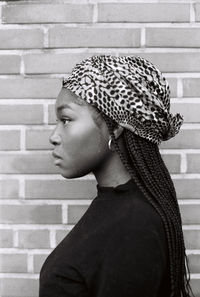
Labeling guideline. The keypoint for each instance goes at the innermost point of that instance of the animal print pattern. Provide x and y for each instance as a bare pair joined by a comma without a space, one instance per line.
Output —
130,90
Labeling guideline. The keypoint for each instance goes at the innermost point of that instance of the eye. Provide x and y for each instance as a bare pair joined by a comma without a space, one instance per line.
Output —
65,120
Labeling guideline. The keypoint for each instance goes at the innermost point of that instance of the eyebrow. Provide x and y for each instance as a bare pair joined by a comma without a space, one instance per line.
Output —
59,108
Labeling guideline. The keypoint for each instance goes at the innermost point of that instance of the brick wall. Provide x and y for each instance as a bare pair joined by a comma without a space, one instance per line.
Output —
40,41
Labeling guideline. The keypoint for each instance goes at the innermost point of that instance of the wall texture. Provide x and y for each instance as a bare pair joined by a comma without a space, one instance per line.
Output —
40,42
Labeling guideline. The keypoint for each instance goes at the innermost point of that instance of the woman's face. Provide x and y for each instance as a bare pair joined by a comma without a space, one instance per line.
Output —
80,145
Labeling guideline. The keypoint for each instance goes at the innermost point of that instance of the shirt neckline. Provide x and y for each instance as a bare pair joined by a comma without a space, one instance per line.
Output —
111,192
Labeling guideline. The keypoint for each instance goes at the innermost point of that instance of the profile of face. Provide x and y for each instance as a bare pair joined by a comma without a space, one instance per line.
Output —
80,137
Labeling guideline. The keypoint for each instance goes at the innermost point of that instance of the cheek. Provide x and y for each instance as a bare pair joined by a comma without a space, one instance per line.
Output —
85,145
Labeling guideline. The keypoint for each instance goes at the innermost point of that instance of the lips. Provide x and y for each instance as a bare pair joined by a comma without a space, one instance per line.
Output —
57,159
56,156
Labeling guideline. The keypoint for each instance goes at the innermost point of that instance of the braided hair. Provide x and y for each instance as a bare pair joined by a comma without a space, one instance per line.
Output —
145,165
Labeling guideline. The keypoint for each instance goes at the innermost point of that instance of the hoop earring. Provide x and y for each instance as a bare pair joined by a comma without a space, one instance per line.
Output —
110,144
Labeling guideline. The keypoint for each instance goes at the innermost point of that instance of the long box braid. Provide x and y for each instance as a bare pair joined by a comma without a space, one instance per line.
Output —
146,166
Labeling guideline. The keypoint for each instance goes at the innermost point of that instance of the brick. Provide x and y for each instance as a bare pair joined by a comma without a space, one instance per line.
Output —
173,37
60,189
193,163
60,235
10,64
172,162
13,263
75,212
183,188
27,163
197,12
190,214
52,115
185,139
34,239
9,140
21,38
52,63
34,88
38,139
23,287
191,87
47,13
30,214
144,12
194,263
173,62
38,261
60,36
190,111
6,238
195,284
192,239
9,189
21,114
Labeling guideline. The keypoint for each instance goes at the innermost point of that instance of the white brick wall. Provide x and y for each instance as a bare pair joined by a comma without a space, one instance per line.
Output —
40,42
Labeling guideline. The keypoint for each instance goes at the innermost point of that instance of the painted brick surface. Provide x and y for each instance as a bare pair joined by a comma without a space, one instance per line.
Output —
6,238
27,163
38,261
185,139
194,263
60,189
52,63
190,214
38,139
173,37
172,162
10,64
21,38
191,87
33,88
40,42
75,212
21,114
61,36
193,163
192,239
143,12
9,189
49,13
30,214
184,186
34,239
9,140
13,263
197,10
60,235
23,287
190,111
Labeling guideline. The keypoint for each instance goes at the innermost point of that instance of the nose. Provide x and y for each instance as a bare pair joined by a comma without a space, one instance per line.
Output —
55,138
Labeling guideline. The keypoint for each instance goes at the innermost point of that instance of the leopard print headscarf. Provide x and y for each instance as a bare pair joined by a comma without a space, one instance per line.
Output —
130,90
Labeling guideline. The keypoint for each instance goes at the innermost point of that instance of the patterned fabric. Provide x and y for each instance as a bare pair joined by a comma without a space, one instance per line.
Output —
130,90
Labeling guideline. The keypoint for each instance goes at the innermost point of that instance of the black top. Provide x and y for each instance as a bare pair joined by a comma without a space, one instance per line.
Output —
117,249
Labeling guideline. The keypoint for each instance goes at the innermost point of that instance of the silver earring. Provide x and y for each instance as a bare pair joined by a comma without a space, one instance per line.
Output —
110,144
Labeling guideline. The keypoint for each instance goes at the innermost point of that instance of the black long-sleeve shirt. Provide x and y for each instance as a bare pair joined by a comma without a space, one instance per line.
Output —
117,249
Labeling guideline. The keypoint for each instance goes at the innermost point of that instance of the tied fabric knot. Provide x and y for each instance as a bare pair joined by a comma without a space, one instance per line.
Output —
175,123
130,90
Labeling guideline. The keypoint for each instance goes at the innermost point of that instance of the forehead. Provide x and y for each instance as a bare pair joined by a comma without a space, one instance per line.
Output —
68,98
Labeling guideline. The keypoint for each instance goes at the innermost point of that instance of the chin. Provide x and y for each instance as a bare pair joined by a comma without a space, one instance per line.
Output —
69,175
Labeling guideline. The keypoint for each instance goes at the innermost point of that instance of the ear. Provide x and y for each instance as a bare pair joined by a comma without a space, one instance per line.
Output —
118,131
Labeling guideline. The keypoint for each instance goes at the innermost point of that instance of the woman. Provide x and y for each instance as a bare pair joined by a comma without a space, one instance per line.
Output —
112,114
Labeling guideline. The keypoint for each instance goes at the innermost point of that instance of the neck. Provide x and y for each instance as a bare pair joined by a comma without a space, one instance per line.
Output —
112,172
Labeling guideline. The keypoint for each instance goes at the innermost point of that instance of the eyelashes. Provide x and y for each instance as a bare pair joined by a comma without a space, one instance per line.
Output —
63,120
